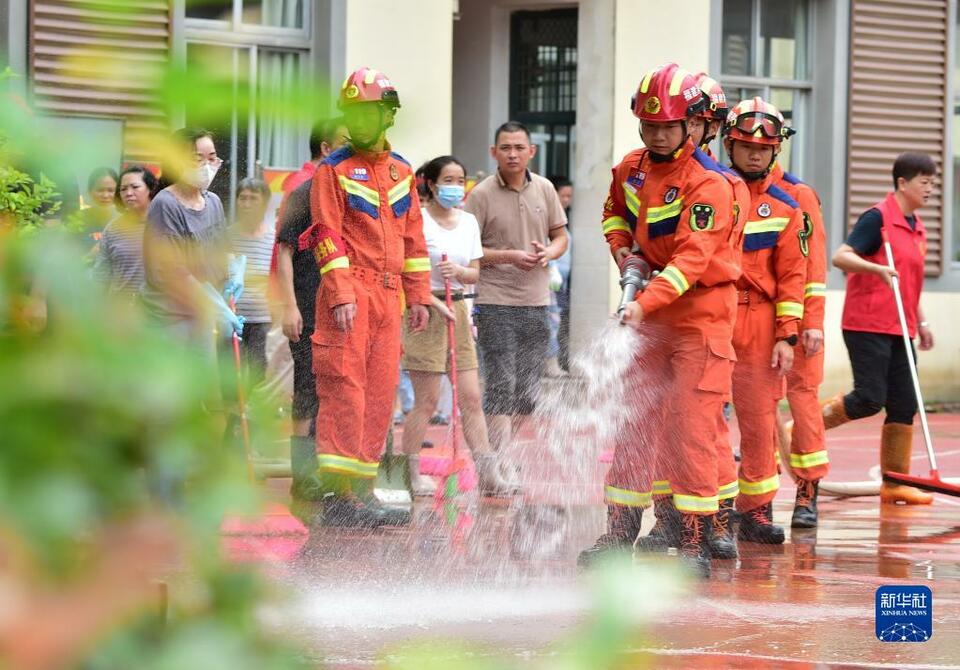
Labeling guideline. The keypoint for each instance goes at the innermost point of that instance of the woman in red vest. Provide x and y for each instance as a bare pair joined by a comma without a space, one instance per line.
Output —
871,327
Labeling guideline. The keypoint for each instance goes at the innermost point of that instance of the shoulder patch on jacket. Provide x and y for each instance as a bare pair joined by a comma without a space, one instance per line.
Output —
781,195
338,156
400,158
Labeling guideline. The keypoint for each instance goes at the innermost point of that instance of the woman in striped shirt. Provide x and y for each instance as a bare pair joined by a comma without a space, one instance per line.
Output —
253,237
119,262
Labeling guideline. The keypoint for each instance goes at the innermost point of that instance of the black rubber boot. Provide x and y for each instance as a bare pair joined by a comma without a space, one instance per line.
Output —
303,467
720,541
623,526
805,509
665,533
694,537
388,515
757,525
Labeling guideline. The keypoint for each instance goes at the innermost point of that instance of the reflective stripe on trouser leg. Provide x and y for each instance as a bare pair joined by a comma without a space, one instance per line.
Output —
701,379
727,486
629,480
345,430
808,449
383,365
661,487
616,496
756,387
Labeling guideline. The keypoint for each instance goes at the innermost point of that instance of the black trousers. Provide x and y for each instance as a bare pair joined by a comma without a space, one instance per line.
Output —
513,344
881,377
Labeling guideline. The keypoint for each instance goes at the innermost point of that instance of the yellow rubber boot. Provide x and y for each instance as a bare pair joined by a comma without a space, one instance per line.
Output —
896,445
834,413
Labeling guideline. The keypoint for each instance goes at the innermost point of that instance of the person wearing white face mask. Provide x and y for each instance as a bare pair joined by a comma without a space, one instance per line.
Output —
189,276
455,234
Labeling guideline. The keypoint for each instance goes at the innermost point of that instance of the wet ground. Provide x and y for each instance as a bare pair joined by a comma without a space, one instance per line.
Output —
505,587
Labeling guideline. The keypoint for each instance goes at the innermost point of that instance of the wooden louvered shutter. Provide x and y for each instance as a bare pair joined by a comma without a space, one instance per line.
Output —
898,102
101,58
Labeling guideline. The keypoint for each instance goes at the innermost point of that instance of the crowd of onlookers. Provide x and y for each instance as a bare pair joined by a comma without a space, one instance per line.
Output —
500,242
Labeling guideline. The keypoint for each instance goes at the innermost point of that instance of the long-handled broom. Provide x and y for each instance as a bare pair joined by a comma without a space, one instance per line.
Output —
242,402
933,482
274,519
448,491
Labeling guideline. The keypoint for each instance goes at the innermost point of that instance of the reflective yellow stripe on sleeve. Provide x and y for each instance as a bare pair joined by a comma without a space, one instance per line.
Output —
417,265
617,223
790,309
335,264
676,279
814,290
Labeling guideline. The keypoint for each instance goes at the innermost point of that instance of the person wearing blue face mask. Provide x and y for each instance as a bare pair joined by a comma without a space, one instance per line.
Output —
453,233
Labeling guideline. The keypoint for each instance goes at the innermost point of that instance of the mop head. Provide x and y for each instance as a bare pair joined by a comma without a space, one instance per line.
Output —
933,484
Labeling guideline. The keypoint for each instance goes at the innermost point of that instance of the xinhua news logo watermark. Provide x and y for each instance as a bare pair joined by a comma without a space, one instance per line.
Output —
904,613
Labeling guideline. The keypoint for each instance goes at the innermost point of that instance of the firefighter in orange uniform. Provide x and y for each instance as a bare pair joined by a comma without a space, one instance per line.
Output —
704,127
367,235
672,202
805,434
769,310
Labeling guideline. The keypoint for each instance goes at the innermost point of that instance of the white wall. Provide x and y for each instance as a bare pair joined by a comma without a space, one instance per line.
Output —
939,368
648,33
412,43
481,68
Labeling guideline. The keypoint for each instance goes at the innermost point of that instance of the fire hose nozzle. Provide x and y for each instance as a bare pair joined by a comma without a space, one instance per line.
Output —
634,277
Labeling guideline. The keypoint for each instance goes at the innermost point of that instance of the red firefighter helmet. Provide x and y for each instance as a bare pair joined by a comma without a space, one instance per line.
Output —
367,85
665,94
756,120
716,101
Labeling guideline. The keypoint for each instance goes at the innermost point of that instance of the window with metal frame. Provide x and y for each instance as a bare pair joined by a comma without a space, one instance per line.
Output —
765,52
263,45
240,14
543,84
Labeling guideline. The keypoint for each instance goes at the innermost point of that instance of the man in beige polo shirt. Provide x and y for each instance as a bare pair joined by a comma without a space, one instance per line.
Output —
522,228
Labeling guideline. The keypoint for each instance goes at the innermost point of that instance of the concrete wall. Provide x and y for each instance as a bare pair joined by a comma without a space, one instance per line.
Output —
939,368
413,44
481,74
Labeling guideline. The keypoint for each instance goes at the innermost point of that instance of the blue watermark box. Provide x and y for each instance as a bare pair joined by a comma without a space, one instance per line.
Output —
904,613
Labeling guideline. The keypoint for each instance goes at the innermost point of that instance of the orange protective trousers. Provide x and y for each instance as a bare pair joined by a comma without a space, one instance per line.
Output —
808,456
357,375
756,388
691,358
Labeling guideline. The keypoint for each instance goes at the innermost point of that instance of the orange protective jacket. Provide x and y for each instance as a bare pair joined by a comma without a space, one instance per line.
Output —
366,214
681,216
815,235
774,264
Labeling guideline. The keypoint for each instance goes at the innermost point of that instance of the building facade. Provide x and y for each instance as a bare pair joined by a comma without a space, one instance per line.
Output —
861,80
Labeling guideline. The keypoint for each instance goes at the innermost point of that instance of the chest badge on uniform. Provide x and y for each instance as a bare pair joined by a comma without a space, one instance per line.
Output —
701,217
670,195
637,178
360,174
764,210
394,175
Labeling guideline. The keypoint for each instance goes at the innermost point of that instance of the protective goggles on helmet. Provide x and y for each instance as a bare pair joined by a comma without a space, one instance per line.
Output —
759,123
